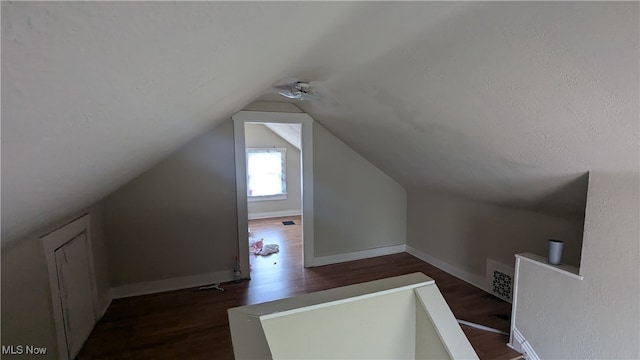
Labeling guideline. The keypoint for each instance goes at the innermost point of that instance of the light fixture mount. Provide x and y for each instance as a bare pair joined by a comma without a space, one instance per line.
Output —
296,89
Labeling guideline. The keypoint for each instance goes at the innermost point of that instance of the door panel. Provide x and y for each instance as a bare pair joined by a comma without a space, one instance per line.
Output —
74,283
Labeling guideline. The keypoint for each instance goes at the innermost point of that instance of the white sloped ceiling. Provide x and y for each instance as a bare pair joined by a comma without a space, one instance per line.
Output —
291,133
503,102
510,103
94,93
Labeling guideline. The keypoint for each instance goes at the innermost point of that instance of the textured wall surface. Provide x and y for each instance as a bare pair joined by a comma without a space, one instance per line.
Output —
355,205
27,315
178,218
93,94
596,318
465,233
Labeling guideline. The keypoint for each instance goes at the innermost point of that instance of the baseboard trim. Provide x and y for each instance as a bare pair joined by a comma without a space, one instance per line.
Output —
274,214
177,283
473,279
357,255
522,345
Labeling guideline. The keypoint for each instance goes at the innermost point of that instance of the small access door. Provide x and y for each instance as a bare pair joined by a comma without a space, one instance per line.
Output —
72,282
74,285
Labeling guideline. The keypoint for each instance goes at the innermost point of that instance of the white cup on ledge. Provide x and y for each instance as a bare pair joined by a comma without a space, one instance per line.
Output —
555,251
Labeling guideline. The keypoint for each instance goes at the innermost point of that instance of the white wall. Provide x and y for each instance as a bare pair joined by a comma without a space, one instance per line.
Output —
598,317
272,328
178,218
428,342
27,316
356,206
376,327
464,233
259,136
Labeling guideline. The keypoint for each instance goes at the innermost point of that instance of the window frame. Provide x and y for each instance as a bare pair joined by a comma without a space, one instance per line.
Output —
283,176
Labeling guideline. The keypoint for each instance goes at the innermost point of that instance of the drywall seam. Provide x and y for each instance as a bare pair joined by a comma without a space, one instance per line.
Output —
177,283
357,255
472,279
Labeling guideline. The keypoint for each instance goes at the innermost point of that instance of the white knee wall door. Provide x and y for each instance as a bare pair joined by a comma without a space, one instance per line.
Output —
73,289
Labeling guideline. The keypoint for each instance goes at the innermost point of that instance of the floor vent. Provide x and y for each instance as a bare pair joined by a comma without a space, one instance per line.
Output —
500,279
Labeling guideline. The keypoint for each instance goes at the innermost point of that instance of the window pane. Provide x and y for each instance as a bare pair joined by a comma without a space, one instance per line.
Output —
266,184
265,172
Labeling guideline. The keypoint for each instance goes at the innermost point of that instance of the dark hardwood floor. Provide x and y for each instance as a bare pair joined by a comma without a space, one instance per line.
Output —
191,324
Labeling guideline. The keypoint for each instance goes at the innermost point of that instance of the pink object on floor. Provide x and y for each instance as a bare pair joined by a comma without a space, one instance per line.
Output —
255,247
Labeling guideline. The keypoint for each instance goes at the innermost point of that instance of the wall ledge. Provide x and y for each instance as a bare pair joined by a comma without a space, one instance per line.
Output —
567,270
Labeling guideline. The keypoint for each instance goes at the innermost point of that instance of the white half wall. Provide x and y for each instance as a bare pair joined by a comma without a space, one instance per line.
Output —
563,317
356,206
390,334
403,317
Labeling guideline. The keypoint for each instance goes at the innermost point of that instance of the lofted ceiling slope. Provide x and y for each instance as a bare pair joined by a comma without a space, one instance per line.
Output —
94,93
502,102
510,103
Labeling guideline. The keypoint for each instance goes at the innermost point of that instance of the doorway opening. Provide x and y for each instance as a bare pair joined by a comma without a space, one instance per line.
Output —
265,192
274,197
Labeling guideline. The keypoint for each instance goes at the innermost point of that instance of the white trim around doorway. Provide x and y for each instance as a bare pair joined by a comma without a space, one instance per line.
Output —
249,117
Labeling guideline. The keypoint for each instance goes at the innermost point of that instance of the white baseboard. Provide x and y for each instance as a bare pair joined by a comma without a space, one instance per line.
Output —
274,214
357,255
151,287
473,279
521,345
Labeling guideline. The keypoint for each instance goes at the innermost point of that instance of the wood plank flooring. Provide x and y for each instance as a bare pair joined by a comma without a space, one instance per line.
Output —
272,273
191,324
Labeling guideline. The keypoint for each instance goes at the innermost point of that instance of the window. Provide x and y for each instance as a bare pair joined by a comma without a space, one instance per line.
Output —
266,174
